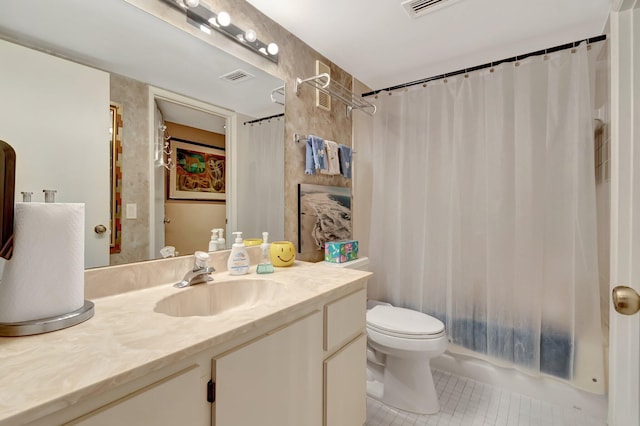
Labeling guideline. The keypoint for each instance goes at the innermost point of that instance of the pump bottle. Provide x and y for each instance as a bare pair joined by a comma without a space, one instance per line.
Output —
222,244
213,244
238,263
265,266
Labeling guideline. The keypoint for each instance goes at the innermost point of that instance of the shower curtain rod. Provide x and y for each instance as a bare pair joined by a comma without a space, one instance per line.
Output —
263,119
488,65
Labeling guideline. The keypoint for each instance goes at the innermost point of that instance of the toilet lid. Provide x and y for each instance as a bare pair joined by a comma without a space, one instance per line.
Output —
403,321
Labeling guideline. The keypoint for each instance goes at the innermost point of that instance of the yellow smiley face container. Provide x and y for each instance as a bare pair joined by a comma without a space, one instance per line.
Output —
250,242
282,253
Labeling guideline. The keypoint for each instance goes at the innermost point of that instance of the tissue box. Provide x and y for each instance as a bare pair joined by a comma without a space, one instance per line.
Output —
340,251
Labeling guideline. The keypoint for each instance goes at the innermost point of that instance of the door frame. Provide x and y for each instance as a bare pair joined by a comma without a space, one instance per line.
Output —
231,122
624,331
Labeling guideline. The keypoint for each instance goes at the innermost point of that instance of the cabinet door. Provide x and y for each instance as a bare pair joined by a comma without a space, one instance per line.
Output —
345,387
176,400
345,319
273,381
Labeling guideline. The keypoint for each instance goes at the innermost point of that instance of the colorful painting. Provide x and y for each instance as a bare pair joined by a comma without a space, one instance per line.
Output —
324,214
199,172
115,111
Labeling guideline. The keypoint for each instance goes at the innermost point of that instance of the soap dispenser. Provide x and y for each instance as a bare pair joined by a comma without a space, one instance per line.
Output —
238,263
265,266
213,243
222,244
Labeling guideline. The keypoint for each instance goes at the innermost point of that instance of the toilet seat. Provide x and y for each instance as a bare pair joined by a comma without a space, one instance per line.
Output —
404,323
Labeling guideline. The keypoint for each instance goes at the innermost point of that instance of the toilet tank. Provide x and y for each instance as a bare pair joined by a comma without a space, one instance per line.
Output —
361,264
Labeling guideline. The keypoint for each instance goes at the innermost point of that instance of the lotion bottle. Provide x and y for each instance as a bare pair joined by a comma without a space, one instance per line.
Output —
265,266
222,244
213,244
238,263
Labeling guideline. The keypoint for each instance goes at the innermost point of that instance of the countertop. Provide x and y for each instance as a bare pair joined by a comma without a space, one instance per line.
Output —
126,340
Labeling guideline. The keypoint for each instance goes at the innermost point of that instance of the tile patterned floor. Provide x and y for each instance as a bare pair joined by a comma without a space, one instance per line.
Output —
466,402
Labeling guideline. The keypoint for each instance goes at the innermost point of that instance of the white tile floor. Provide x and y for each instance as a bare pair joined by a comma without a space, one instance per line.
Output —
466,402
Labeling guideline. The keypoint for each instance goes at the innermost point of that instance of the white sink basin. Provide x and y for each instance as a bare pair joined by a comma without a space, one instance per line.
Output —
218,297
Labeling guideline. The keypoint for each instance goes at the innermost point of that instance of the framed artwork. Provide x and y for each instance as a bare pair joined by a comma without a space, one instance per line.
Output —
199,172
324,214
115,205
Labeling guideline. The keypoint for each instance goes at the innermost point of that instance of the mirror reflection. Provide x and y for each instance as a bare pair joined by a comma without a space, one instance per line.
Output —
179,116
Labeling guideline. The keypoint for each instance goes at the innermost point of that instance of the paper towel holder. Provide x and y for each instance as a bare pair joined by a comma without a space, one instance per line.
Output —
7,195
45,325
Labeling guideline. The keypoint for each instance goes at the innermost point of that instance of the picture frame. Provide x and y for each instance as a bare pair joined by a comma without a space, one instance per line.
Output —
324,214
199,171
115,172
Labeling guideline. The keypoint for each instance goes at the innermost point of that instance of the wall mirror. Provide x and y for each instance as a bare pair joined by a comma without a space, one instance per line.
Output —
158,74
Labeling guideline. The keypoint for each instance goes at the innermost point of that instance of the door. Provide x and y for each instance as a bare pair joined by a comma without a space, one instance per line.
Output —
165,220
58,128
624,354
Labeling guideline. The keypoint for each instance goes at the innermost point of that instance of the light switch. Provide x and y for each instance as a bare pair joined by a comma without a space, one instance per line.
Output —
131,211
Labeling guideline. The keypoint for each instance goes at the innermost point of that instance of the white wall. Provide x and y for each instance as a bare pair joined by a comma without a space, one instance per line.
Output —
55,114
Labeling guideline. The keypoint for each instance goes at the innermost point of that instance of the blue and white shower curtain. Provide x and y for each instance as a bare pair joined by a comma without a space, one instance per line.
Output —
483,212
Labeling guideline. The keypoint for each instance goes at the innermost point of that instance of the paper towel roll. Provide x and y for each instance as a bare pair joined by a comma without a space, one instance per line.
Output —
45,276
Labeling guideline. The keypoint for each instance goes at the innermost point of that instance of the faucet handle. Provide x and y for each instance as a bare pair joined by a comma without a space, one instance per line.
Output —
201,260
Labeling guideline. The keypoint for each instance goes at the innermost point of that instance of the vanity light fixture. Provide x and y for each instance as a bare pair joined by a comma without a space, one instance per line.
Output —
206,20
250,35
272,48
224,19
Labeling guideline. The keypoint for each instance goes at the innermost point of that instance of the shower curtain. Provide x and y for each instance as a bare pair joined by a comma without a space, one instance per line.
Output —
483,212
261,179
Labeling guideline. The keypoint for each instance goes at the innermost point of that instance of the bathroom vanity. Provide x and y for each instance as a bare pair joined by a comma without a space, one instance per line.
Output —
288,349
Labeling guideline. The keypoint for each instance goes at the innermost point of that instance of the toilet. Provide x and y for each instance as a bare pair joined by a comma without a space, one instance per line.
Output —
400,345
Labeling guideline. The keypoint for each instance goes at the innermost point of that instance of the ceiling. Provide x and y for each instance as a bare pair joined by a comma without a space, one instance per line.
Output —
115,36
381,45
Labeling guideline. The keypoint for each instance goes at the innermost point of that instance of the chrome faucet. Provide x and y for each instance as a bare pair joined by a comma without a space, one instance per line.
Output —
200,272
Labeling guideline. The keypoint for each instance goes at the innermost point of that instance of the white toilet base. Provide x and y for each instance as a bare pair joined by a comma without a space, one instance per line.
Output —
407,385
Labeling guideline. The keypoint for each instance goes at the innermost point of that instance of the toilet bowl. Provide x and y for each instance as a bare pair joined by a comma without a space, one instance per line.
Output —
401,343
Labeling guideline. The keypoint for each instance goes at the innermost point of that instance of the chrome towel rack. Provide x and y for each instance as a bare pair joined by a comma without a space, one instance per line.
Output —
325,84
277,91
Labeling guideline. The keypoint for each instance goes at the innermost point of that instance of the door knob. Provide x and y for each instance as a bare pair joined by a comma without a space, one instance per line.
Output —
100,229
625,300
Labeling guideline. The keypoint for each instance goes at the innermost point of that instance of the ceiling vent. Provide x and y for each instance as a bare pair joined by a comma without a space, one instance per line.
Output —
417,8
323,100
237,76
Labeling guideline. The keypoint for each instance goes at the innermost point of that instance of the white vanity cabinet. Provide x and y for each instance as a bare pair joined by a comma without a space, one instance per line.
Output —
174,400
309,373
273,381
305,366
345,350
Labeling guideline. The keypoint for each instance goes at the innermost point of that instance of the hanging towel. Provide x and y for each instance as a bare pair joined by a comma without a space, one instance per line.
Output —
344,153
309,167
316,147
333,162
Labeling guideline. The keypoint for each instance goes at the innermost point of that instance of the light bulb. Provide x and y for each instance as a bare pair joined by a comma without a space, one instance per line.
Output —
223,18
250,36
192,3
272,48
